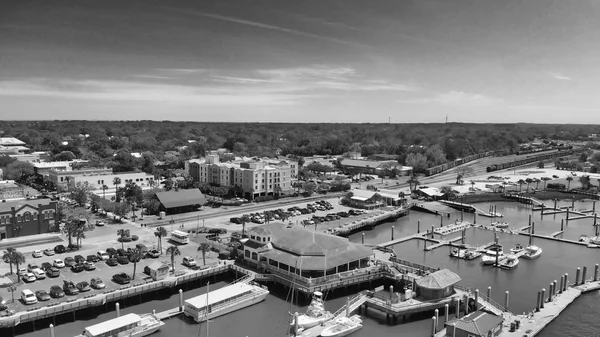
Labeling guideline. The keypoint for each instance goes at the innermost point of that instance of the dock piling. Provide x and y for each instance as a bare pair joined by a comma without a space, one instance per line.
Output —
51,330
596,272
543,298
554,285
458,308
475,218
466,304
118,309
295,323
418,226
533,227
573,202
347,306
363,238
550,292
437,319
489,292
555,200
537,304
506,296
594,206
446,312
476,299
567,215
153,311
433,324
577,274
583,275
562,281
529,220
392,293
562,224
392,233
432,228
180,300
566,281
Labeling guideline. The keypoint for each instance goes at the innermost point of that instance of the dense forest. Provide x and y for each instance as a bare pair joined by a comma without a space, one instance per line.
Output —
109,143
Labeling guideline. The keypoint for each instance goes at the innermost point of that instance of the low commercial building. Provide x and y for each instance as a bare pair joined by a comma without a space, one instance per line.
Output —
158,270
430,193
475,324
27,217
11,190
374,166
181,201
437,285
98,177
292,249
43,168
374,199
12,145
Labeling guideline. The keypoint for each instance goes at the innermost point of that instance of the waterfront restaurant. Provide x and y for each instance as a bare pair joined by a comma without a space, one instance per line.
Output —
373,199
437,285
293,249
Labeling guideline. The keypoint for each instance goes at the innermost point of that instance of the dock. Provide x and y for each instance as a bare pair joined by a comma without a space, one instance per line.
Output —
370,221
470,208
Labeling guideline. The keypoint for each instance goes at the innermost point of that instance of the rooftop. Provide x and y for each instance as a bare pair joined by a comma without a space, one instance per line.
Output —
181,198
10,141
18,204
439,280
219,295
477,322
367,163
100,328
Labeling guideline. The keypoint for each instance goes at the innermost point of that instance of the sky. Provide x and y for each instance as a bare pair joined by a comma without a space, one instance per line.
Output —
352,61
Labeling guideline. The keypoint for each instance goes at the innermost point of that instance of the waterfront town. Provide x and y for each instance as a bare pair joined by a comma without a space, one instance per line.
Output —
280,226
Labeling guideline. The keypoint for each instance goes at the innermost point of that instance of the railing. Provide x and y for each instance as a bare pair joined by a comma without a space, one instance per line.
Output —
413,264
359,298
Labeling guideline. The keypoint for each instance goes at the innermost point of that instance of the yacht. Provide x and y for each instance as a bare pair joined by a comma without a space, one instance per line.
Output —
509,262
532,252
315,313
499,224
517,249
490,254
490,260
130,325
472,254
343,326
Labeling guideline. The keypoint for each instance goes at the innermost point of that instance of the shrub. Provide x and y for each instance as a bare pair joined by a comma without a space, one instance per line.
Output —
134,237
125,239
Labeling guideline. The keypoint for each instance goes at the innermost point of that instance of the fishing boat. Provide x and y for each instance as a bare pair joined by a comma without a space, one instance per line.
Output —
499,224
343,326
458,253
472,254
595,240
510,262
130,325
584,238
490,260
517,248
315,313
532,252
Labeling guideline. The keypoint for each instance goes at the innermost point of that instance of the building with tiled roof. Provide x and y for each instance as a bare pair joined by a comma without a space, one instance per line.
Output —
475,324
27,217
282,248
436,285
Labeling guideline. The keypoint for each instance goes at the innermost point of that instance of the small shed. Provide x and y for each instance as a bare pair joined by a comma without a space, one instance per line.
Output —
437,285
475,324
158,270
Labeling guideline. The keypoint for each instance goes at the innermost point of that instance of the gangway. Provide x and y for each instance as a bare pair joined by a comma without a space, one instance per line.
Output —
246,279
353,304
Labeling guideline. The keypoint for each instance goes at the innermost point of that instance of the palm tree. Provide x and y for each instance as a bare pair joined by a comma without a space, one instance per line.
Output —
12,288
472,184
7,257
134,258
104,188
413,181
521,182
160,233
122,233
245,218
277,190
18,258
569,179
545,180
537,183
528,181
173,251
117,182
204,247
80,235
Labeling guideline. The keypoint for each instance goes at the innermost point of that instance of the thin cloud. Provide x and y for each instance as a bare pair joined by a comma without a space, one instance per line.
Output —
183,70
560,77
153,77
456,98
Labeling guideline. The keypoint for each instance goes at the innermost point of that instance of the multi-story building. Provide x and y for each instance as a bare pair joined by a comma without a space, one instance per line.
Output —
254,178
27,217
43,168
99,177
11,145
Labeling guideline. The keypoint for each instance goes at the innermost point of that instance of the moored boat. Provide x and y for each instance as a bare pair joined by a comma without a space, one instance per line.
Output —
458,253
495,249
315,313
499,224
130,325
343,327
509,262
532,252
490,260
472,254
517,248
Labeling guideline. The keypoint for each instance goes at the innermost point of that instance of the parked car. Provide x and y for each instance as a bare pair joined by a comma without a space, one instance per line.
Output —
56,292
59,249
236,220
32,266
39,274
97,283
37,253
153,253
70,288
189,261
46,265
93,258
123,260
42,295
83,286
77,268
28,297
22,271
555,176
112,262
69,261
111,251
52,272
102,255
122,252
89,265
49,252
79,259
58,263
29,277
147,270
121,278
100,223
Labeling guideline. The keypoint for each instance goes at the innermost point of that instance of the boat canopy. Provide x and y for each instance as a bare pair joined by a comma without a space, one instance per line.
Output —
219,295
112,324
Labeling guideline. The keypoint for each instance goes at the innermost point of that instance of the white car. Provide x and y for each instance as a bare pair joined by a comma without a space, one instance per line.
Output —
100,223
39,274
28,296
102,255
189,261
37,253
58,263
22,271
49,252
29,277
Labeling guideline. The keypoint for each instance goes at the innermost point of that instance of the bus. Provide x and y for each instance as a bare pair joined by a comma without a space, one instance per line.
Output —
180,237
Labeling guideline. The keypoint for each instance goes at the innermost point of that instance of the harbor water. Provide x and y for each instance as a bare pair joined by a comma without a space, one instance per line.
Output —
270,317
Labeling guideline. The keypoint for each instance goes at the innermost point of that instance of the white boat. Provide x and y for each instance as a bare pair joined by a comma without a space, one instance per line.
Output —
517,249
490,260
494,250
498,224
509,262
458,253
343,327
472,254
130,325
532,252
595,240
315,313
224,300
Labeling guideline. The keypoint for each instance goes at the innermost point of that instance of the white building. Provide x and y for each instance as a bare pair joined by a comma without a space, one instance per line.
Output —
99,177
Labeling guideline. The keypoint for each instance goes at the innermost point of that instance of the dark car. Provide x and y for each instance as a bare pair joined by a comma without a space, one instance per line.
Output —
69,261
42,295
147,270
77,268
79,259
153,253
56,292
83,286
111,251
52,271
60,249
93,258
123,260
122,252
46,265
112,262
70,288
236,220
121,278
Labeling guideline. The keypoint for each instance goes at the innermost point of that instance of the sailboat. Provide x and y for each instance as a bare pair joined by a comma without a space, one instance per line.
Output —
206,315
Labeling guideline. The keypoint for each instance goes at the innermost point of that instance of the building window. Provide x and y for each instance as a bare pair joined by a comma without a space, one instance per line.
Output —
19,218
2,220
254,256
27,217
247,253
